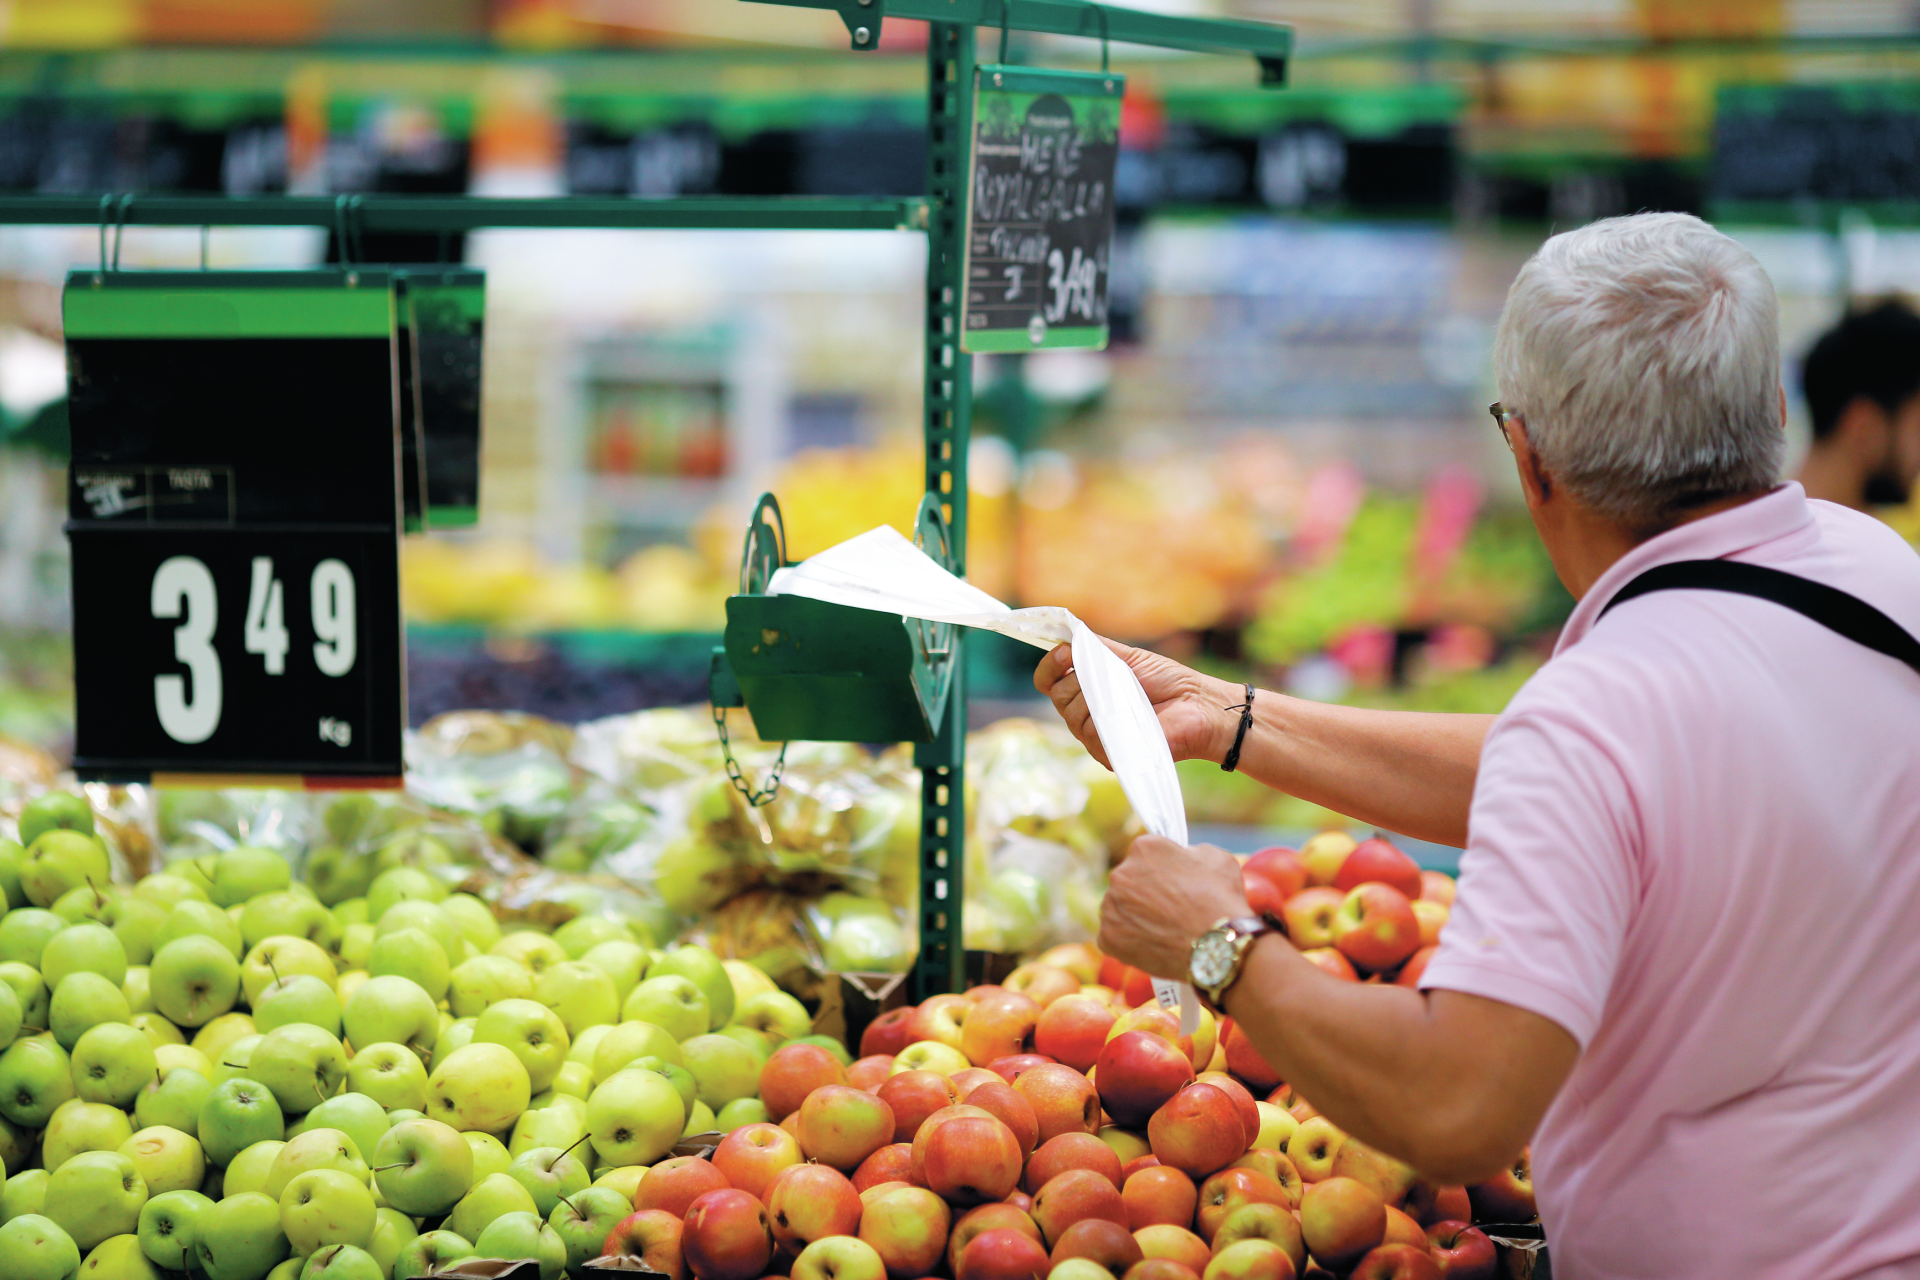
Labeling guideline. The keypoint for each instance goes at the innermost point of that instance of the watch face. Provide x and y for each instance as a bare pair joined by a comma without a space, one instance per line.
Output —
1213,958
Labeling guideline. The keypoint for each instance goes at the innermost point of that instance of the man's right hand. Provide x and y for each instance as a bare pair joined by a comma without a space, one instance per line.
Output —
1191,706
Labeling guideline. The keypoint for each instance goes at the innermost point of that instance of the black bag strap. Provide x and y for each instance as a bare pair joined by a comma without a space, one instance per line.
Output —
1832,608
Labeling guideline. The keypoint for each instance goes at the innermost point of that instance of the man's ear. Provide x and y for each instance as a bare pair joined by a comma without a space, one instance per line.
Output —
1865,427
1535,483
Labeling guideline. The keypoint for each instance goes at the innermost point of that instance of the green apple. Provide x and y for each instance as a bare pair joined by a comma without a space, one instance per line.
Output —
245,872
581,994
457,1034
414,849
315,1149
173,1100
623,960
55,811
390,1074
234,1059
700,1120
759,1043
532,1031
584,1219
28,988
574,1078
213,1038
480,1086
548,1173
287,913
392,1009
303,1065
12,856
195,978
279,957
560,1123
167,1056
362,1119
402,884
165,890
741,1111
534,952
671,1002
524,1235
350,912
429,918
12,1016
240,1237
35,1077
78,906
490,1155
248,1170
868,944
110,1063
301,998
831,1045
90,947
746,979
583,933
78,1127
491,1197
167,1159
136,923
775,1014
199,919
411,953
341,1262
59,860
486,980
630,1040
25,933
166,1227
83,1001
237,1114
432,1252
24,1192
37,1249
336,875
584,1045
356,944
423,1167
392,1232
635,1117
95,1195
137,987
16,1146
473,918
705,970
678,1076
326,1206
723,1068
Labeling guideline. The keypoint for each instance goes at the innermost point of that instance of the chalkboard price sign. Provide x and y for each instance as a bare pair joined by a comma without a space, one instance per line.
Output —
1040,209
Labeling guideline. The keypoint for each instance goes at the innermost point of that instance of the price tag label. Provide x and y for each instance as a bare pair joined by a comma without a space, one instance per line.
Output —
1040,209
235,518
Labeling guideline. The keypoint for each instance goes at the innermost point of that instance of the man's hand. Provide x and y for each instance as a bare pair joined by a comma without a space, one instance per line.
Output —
1162,897
1191,706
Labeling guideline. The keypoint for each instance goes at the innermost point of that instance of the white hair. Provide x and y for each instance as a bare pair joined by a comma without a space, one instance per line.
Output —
1643,355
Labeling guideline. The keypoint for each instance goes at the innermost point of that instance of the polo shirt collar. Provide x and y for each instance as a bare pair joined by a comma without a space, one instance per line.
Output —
1779,514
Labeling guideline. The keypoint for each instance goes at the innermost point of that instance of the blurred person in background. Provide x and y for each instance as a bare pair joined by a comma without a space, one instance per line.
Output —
1682,962
1862,383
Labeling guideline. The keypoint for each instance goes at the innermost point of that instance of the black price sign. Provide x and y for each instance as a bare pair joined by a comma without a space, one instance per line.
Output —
1040,209
235,521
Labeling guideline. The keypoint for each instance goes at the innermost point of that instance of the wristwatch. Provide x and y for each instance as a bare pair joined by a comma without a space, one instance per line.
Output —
1219,953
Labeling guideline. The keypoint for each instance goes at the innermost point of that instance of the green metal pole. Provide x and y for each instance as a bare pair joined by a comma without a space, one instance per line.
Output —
949,406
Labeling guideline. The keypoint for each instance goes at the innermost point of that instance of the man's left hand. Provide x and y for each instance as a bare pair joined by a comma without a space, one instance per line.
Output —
1162,897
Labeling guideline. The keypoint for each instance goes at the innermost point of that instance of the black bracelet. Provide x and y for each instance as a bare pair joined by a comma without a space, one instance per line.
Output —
1246,722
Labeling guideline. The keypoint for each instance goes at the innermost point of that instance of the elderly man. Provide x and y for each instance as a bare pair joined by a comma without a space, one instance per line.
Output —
1685,958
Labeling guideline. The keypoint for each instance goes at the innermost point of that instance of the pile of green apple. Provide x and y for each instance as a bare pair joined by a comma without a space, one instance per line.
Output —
210,1071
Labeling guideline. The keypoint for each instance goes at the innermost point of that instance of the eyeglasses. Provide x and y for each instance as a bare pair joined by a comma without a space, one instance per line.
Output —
1501,416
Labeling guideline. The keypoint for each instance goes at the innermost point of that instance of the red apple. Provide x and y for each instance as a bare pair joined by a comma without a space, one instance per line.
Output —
1198,1131
1243,1101
1107,1243
726,1236
1081,959
1071,1151
938,1018
1251,1259
1333,962
907,1227
1341,1221
1313,1146
1230,1188
1260,1221
1138,1072
1375,927
1004,1101
793,1072
1010,1067
1397,1262
1281,866
1005,1254
1176,1244
751,1156
841,1125
1376,860
1112,973
1463,1252
912,1096
1390,1179
1263,896
1159,1195
1135,1165
810,1202
1020,1200
651,1235
1160,1269
1323,855
1402,1229
1429,1204
998,1027
1160,1022
1245,1061
1072,1029
674,1184
970,1159
1438,886
1432,918
1415,968
967,1079
974,995
1507,1196
891,1163
1069,1197
886,1034
988,1217
868,1072
1309,916
1063,1100
1043,983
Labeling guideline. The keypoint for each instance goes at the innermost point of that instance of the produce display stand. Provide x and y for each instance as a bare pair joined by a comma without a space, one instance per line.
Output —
937,678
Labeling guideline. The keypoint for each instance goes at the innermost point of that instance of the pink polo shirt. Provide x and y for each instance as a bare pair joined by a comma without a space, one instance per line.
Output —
1695,844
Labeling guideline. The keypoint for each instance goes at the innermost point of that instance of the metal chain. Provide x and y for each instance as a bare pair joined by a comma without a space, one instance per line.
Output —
763,796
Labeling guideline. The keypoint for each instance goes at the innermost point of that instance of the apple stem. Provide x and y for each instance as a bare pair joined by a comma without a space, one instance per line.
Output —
272,968
563,1155
570,1204
99,899
382,1168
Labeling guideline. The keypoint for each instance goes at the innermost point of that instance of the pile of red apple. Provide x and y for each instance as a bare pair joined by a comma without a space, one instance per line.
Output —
1058,1126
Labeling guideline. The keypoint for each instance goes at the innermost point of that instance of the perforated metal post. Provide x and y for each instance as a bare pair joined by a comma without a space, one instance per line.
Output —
948,412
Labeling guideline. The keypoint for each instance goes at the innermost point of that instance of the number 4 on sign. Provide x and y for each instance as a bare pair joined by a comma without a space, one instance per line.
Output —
266,630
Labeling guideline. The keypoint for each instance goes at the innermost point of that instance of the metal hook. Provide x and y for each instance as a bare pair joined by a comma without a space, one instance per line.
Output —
1005,5
124,208
341,243
1100,11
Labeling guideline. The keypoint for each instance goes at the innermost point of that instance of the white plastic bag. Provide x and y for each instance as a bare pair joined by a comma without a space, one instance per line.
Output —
883,571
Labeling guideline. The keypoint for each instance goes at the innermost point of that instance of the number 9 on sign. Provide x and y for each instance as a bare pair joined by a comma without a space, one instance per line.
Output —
334,627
